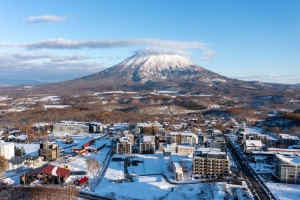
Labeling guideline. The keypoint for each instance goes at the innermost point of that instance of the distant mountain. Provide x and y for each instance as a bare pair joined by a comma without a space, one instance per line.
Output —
154,69
149,70
14,82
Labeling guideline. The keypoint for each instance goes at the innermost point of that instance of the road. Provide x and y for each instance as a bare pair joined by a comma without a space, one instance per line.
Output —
257,187
84,195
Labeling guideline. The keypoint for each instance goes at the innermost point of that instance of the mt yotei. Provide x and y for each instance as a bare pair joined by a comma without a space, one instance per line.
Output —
149,70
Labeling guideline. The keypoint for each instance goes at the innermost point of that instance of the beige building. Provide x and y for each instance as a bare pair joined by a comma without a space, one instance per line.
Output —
210,163
123,146
182,138
49,151
185,149
287,168
175,167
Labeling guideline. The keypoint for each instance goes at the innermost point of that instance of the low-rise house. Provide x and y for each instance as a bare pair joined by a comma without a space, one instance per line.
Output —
46,174
34,161
16,163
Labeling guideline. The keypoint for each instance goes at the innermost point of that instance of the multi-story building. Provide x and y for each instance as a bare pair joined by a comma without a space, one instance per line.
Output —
123,146
185,149
49,151
287,168
7,150
175,167
252,145
147,146
217,142
182,138
210,163
287,140
70,127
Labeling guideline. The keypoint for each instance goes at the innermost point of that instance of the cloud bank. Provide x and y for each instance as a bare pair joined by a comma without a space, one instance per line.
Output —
45,18
38,60
62,43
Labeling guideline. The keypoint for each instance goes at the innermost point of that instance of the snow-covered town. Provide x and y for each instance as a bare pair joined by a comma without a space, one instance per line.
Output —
153,160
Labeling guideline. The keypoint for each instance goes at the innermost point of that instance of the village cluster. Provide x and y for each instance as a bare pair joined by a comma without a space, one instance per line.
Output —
195,149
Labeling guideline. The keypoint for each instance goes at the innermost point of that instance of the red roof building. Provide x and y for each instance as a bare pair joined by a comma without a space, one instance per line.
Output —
55,174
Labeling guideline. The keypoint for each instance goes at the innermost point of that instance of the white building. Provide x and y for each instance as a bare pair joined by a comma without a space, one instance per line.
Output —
7,150
70,127
287,167
252,145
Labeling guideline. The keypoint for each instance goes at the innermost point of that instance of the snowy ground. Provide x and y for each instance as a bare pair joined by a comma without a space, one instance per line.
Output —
151,177
284,191
149,184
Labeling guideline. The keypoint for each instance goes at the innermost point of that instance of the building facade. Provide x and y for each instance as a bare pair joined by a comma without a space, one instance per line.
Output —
70,127
210,163
49,151
7,150
175,167
287,168
182,138
217,142
147,146
123,146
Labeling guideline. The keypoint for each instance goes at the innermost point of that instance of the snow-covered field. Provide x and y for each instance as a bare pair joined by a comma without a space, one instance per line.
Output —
150,177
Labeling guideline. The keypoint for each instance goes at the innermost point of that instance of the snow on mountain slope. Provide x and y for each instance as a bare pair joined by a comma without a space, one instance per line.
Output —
147,66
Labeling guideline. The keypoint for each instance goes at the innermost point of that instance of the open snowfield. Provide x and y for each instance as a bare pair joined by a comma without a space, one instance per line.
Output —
151,178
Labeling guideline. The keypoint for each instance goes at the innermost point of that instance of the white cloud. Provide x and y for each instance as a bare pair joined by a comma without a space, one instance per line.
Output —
272,78
45,18
44,63
62,43
208,55
44,66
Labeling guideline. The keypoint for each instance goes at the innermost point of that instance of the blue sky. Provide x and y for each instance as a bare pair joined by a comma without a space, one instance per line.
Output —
54,40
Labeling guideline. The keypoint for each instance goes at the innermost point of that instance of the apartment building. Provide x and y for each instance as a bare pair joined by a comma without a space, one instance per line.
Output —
123,146
182,138
147,146
175,167
7,150
210,163
287,168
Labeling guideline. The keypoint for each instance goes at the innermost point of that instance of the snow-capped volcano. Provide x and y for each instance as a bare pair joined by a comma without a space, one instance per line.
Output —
151,66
